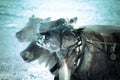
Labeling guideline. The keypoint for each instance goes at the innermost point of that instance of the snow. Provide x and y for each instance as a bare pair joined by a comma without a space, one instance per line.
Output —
12,67
14,14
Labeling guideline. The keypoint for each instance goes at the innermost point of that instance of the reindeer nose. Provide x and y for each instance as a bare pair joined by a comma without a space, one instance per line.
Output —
26,56
18,35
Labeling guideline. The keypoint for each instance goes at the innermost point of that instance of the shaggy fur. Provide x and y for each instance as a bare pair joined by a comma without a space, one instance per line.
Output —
37,25
97,63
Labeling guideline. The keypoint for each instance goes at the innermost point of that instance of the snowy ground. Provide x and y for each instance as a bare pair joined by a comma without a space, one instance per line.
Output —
35,73
14,14
12,67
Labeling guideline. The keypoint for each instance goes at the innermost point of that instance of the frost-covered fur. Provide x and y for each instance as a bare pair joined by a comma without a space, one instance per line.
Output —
97,63
28,33
90,70
34,52
37,25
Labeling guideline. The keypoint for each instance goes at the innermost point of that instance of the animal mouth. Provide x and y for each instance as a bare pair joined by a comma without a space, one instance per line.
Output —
21,40
26,56
26,59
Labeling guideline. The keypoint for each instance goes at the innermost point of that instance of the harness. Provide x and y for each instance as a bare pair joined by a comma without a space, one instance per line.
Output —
112,55
71,50
112,48
54,68
75,48
77,59
79,54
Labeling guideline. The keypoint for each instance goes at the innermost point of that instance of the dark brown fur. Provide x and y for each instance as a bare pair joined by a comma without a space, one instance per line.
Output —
98,47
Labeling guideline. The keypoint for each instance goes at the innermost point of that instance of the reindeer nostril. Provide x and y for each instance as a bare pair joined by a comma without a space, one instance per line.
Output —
26,56
18,35
25,59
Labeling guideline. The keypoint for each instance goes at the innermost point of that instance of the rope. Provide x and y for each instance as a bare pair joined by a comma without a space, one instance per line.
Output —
91,41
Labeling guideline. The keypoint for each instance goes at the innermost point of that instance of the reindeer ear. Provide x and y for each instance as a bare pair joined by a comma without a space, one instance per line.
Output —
73,20
32,18
77,32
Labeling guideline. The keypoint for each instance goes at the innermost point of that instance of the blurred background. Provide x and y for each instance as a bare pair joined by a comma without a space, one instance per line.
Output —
14,14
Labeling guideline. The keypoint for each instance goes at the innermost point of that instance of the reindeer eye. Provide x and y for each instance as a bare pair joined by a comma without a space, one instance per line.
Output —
66,36
46,33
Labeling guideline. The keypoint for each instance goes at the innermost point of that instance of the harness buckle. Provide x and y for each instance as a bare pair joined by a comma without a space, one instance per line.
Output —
113,56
